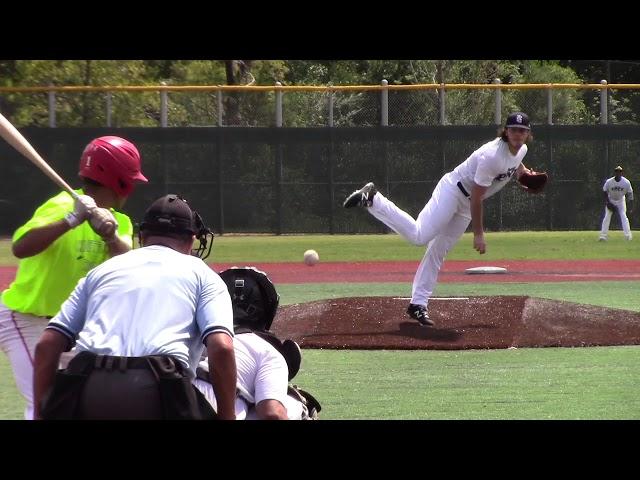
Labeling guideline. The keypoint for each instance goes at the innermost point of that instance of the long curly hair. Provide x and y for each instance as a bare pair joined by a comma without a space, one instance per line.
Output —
502,133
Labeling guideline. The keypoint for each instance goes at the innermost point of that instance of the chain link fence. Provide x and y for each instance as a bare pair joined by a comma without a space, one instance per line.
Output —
413,107
294,180
333,106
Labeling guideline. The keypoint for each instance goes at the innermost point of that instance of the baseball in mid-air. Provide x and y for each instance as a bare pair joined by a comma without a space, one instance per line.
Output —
311,257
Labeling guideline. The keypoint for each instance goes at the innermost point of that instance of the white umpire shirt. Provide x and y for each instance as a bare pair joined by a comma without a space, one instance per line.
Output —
616,190
492,165
149,301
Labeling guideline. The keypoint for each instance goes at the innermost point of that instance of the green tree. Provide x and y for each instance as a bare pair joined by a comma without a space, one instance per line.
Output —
240,109
82,109
300,109
569,105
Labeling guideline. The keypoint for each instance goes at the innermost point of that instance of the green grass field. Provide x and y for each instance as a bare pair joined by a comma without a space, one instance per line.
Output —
545,383
578,245
550,383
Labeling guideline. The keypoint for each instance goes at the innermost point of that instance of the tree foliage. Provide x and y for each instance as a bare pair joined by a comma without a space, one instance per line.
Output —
463,107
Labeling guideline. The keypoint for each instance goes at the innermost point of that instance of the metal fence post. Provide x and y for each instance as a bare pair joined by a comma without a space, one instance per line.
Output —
384,104
108,109
52,108
279,161
549,106
384,121
443,119
163,106
220,160
497,118
604,119
330,108
219,96
603,103
278,105
331,179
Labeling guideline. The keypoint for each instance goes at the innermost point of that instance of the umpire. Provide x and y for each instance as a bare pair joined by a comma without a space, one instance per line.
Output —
139,322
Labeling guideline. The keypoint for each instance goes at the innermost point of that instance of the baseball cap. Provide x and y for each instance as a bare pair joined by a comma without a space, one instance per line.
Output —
518,119
169,214
618,168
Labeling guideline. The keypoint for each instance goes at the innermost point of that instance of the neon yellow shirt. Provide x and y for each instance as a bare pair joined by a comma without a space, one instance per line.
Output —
45,280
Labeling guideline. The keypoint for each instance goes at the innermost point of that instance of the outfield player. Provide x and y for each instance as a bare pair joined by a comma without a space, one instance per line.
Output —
140,321
616,190
264,363
456,201
62,241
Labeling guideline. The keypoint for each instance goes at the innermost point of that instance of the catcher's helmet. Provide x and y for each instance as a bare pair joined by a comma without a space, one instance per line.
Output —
171,215
253,296
113,162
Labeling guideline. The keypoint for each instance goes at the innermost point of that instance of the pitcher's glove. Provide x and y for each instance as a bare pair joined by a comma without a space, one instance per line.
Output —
533,182
612,207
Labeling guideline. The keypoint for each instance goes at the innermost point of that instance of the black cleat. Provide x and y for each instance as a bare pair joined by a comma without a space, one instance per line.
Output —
362,197
419,313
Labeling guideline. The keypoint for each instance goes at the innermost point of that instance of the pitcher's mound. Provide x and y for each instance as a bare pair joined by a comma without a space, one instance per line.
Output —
460,323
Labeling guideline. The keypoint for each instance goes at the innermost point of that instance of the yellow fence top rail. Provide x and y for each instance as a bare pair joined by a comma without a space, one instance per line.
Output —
311,88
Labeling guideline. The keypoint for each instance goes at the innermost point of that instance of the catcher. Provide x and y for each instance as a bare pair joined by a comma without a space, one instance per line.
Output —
264,363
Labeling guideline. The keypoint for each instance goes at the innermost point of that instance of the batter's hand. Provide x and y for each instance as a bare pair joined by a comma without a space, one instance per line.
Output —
478,243
83,206
103,223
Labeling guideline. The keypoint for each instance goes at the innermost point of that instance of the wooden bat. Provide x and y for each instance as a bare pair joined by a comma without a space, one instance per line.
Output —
17,141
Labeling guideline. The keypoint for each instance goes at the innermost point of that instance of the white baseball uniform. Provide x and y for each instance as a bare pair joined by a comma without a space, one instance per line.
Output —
262,375
447,214
616,191
149,301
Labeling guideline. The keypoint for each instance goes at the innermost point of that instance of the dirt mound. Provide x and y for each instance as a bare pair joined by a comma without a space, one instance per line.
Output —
460,323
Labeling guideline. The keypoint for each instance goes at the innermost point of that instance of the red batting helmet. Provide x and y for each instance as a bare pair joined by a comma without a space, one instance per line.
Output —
113,162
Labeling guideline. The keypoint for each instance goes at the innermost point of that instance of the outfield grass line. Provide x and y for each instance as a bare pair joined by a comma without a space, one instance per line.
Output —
501,246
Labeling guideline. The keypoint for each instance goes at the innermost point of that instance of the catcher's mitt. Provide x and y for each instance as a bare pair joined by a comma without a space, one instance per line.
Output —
612,207
533,182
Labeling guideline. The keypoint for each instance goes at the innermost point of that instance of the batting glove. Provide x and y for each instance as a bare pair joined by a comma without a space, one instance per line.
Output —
83,206
104,223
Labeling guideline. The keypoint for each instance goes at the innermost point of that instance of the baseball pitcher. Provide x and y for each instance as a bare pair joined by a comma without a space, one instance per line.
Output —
456,202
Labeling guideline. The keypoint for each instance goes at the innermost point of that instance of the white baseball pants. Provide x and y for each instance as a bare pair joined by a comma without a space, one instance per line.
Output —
19,334
624,221
439,225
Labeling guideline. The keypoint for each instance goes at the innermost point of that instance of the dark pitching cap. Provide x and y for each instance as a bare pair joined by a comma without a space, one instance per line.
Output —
518,119
618,169
169,214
